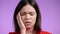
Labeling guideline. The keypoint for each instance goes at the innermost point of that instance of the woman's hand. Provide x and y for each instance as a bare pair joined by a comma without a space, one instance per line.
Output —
21,24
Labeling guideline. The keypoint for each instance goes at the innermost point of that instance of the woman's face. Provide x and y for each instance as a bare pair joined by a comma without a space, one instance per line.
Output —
28,15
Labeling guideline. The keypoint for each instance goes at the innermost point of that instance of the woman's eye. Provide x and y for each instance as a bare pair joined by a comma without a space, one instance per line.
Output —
31,14
23,14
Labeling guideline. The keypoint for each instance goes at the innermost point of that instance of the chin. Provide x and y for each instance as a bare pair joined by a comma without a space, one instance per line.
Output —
27,28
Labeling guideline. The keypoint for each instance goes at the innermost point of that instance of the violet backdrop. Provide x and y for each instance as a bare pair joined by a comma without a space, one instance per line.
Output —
50,11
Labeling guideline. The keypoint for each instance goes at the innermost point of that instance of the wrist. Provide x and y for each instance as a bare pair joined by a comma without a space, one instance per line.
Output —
23,31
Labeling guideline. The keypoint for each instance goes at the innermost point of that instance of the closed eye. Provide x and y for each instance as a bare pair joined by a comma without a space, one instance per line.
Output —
32,13
22,14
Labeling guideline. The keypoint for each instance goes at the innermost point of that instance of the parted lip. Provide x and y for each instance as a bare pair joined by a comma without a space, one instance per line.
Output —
27,22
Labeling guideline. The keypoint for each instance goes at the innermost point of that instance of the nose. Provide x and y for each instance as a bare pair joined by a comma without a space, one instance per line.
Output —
27,17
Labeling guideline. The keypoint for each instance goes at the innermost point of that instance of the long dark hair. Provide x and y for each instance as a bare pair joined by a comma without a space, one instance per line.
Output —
22,3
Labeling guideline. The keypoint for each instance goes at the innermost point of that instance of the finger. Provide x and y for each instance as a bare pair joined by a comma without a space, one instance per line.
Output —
20,22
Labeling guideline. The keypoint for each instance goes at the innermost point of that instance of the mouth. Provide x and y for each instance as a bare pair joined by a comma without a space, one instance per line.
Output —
27,23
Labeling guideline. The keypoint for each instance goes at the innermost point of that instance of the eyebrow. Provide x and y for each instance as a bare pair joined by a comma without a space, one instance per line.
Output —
25,12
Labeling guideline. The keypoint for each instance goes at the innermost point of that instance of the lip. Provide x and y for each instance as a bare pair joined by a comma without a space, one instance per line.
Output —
27,22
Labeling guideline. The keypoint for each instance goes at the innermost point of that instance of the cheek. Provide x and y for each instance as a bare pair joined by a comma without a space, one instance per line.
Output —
34,19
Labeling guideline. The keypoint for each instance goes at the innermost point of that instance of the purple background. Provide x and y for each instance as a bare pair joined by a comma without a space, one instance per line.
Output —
50,11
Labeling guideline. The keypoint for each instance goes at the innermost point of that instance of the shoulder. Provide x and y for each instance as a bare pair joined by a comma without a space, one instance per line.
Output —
13,32
43,32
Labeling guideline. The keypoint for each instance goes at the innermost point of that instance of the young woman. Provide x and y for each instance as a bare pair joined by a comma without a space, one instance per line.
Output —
27,18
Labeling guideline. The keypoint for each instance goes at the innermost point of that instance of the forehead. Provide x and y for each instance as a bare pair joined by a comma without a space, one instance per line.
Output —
28,8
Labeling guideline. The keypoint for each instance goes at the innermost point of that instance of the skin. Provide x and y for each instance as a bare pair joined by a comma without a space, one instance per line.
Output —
25,15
